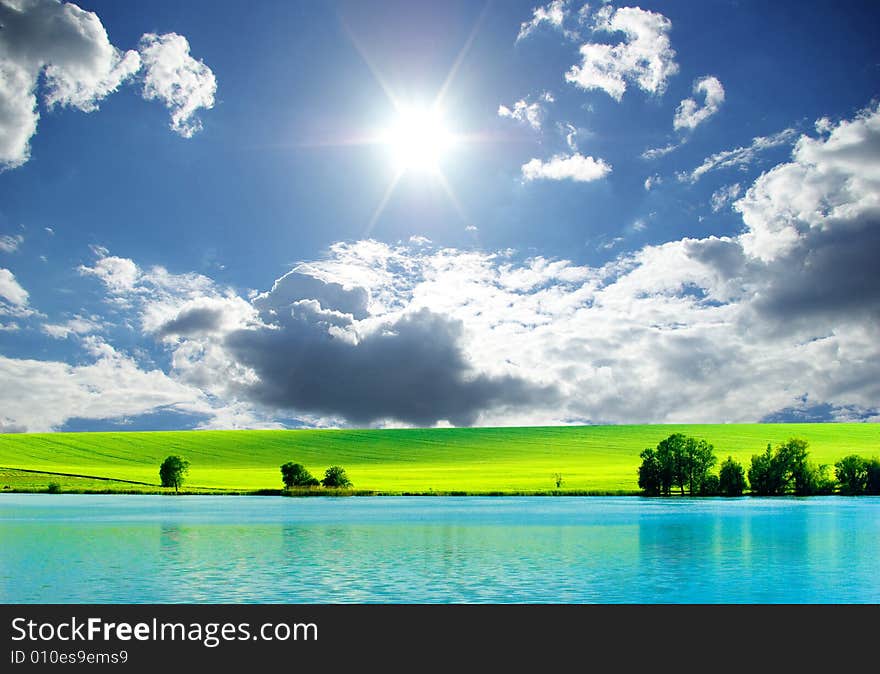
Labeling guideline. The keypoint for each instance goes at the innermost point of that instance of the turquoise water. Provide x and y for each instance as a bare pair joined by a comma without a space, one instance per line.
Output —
216,549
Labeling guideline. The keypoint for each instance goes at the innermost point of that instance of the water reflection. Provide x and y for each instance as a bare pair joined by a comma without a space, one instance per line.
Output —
572,550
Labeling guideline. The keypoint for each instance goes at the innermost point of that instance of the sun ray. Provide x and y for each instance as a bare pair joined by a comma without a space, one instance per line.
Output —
462,53
384,202
419,139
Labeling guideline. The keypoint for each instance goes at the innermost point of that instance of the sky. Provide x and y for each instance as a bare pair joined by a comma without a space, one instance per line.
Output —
391,214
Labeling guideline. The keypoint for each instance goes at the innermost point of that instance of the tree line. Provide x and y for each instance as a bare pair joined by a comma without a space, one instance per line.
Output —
683,464
174,468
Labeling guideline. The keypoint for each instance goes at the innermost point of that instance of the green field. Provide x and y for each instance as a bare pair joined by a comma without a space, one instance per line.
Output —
590,458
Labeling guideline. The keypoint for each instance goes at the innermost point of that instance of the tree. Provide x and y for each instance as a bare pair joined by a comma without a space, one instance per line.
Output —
731,478
818,480
764,475
296,475
671,457
800,474
698,458
335,476
678,461
650,479
172,470
557,478
786,468
852,474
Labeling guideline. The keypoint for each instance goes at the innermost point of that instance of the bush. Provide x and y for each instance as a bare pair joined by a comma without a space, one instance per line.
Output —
172,470
54,488
296,475
710,486
335,476
731,478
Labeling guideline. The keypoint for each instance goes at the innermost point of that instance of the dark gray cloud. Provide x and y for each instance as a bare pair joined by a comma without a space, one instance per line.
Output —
830,275
193,322
411,369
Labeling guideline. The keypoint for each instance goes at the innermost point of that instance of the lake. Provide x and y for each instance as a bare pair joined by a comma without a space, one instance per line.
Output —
231,549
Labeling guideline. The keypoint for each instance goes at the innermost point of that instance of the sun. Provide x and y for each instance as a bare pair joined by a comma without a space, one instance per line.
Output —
418,140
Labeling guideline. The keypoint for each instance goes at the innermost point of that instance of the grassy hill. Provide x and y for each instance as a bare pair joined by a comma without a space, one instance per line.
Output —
590,458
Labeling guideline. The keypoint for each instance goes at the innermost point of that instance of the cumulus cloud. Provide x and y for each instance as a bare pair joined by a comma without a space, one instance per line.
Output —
111,386
169,305
740,157
172,76
553,14
70,48
574,167
781,317
528,113
119,274
690,114
645,57
65,52
10,243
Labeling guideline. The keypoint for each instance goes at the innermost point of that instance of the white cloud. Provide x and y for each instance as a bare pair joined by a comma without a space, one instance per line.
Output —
119,274
690,114
10,291
553,13
111,386
745,326
10,243
528,113
70,48
49,231
724,195
78,325
182,83
472,228
657,152
650,181
644,58
832,183
169,305
574,167
740,157
570,132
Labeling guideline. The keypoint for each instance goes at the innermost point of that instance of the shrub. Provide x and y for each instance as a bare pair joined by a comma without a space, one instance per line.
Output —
335,476
709,486
54,488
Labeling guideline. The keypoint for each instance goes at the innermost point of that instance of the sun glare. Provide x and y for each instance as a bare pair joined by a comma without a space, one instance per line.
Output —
418,140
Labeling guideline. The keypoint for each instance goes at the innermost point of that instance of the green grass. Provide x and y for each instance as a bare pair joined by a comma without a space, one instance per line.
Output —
592,459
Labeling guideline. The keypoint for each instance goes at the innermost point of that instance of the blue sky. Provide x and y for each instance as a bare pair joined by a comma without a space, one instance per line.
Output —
606,213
